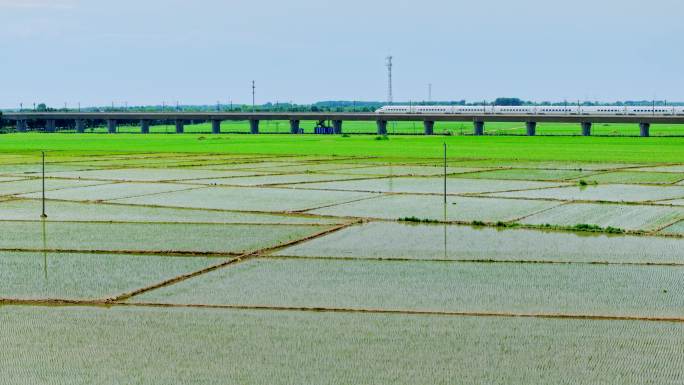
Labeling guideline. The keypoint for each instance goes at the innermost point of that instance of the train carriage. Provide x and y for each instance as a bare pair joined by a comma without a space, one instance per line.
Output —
536,110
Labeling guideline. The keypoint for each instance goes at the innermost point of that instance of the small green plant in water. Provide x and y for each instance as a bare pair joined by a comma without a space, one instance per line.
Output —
614,230
587,227
505,224
417,220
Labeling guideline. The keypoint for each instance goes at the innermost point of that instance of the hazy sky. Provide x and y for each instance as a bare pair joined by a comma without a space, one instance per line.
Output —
201,51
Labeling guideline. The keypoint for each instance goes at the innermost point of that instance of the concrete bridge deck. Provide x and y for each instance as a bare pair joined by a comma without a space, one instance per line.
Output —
337,119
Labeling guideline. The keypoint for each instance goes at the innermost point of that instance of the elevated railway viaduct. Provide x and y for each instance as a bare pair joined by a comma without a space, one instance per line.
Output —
49,120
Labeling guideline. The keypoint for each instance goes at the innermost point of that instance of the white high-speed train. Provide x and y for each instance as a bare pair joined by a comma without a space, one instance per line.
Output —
535,110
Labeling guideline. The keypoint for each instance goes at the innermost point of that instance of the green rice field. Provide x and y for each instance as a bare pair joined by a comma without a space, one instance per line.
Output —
413,128
305,259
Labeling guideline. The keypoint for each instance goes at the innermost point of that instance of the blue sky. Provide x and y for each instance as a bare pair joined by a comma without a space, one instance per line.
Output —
202,51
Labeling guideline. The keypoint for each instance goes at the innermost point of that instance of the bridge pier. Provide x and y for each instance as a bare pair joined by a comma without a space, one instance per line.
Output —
215,126
144,126
382,127
429,126
478,128
111,126
50,125
294,126
531,128
645,129
80,126
586,128
22,125
180,126
337,127
254,126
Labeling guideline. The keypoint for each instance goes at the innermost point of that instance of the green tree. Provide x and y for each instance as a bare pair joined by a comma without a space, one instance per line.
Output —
508,102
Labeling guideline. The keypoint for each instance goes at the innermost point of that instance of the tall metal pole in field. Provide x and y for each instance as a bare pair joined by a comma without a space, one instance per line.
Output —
43,215
445,173
445,201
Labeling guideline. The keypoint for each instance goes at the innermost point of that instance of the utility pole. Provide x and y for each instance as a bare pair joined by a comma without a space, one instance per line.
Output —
445,173
389,80
429,92
253,96
43,215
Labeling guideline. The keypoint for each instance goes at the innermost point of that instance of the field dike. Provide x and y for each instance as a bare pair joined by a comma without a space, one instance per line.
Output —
241,258
120,303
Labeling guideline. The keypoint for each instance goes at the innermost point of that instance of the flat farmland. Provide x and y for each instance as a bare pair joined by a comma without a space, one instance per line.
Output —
338,260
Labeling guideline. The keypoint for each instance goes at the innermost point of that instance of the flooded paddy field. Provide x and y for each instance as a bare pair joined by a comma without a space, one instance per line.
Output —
145,345
209,268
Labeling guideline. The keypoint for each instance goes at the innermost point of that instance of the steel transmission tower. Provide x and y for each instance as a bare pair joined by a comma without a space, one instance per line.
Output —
389,80
253,96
